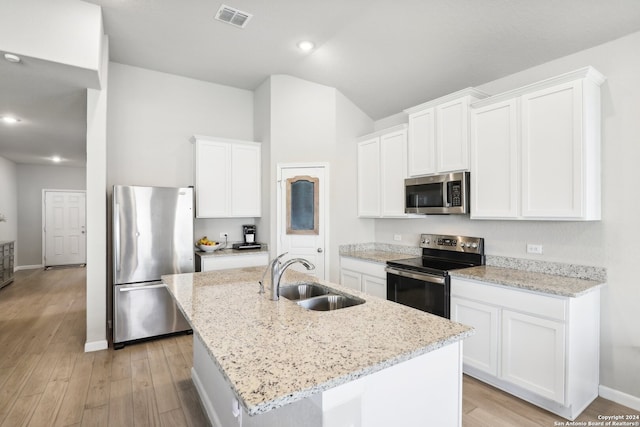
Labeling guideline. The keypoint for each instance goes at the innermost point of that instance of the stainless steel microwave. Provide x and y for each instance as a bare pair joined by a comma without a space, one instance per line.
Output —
437,194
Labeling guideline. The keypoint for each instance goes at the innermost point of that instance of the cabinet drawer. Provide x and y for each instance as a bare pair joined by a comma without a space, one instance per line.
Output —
511,298
234,261
365,267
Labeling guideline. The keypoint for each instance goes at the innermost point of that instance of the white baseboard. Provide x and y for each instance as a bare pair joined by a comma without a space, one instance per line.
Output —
204,398
96,346
620,397
28,267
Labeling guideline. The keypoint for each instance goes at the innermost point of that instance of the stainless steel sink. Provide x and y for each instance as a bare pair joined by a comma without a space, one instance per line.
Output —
329,302
302,291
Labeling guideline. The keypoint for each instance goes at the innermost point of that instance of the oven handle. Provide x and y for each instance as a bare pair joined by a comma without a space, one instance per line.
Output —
417,276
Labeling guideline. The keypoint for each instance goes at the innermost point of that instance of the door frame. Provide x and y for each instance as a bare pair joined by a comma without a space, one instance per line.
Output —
324,207
44,218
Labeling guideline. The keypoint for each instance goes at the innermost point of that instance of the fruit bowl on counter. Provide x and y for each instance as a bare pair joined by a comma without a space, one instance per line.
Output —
207,245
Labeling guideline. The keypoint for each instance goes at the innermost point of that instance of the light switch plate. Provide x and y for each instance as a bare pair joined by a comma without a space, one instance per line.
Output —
397,237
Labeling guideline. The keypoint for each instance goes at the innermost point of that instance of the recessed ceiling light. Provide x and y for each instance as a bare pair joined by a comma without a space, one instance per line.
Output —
9,119
56,159
306,45
12,58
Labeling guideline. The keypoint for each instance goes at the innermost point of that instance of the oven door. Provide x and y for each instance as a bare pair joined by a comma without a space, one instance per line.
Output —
418,290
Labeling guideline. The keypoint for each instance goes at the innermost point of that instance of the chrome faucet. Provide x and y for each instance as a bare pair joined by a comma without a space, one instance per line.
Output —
278,269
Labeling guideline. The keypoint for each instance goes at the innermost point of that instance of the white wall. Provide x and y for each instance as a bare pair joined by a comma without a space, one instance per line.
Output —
96,180
32,179
151,117
262,133
607,243
8,200
66,33
312,123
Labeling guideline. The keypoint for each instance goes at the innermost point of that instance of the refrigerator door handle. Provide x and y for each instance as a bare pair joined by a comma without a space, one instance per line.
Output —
116,236
141,288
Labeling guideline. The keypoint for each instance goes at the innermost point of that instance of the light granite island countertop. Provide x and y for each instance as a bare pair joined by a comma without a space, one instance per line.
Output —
378,363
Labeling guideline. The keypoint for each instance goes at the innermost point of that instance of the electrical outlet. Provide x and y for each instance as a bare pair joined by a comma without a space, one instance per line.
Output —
534,249
223,234
397,237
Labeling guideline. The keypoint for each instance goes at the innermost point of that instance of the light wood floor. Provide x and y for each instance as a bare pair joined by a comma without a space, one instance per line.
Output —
46,379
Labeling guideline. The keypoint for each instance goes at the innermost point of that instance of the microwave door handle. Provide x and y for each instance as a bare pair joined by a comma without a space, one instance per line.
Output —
445,195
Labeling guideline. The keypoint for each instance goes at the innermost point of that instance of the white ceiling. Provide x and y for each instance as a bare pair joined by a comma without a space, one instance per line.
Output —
383,55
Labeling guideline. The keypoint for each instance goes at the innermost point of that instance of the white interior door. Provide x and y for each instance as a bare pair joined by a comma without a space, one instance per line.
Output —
302,209
64,228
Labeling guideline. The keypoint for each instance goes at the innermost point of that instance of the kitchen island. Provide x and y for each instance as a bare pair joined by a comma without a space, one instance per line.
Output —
259,362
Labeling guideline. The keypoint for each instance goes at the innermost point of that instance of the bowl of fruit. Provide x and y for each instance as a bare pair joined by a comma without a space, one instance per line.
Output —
207,245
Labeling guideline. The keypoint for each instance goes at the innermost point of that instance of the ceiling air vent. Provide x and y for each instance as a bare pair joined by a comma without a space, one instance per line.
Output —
232,16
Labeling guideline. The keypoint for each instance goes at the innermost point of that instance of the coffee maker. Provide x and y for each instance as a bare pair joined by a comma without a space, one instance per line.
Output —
249,233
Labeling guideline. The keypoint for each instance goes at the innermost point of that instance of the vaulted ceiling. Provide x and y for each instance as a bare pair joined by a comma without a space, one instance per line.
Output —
383,55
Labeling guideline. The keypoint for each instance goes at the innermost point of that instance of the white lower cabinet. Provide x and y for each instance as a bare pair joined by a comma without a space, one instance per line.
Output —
541,348
480,349
533,354
222,262
365,276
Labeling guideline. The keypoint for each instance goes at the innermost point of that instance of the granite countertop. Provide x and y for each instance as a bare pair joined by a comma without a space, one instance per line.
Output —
276,352
547,277
231,252
530,280
375,255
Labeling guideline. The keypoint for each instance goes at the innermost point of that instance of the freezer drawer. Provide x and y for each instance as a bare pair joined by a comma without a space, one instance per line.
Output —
144,311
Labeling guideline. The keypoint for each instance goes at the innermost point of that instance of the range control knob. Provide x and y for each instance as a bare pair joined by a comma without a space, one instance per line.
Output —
474,245
425,241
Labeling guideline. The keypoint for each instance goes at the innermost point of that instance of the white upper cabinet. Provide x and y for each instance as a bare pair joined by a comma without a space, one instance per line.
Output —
382,169
422,142
227,177
439,133
494,161
369,177
536,151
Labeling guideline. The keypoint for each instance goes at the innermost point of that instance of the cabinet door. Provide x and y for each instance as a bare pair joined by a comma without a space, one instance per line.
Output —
374,286
393,167
213,179
422,143
552,152
246,195
452,140
351,279
369,178
480,350
533,354
494,161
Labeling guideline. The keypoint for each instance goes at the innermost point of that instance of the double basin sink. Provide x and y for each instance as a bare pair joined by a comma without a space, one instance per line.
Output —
313,296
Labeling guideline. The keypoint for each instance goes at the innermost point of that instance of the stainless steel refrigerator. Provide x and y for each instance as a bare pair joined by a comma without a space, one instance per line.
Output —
152,236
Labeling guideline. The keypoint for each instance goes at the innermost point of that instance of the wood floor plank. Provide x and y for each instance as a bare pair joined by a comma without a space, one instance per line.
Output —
145,408
73,402
11,389
21,411
192,408
173,418
40,376
49,403
121,364
121,403
100,382
96,417
165,390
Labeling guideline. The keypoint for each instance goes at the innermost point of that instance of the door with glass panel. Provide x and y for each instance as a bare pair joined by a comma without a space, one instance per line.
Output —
302,211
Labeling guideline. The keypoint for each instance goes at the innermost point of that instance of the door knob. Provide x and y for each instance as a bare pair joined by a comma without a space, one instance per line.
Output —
319,250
